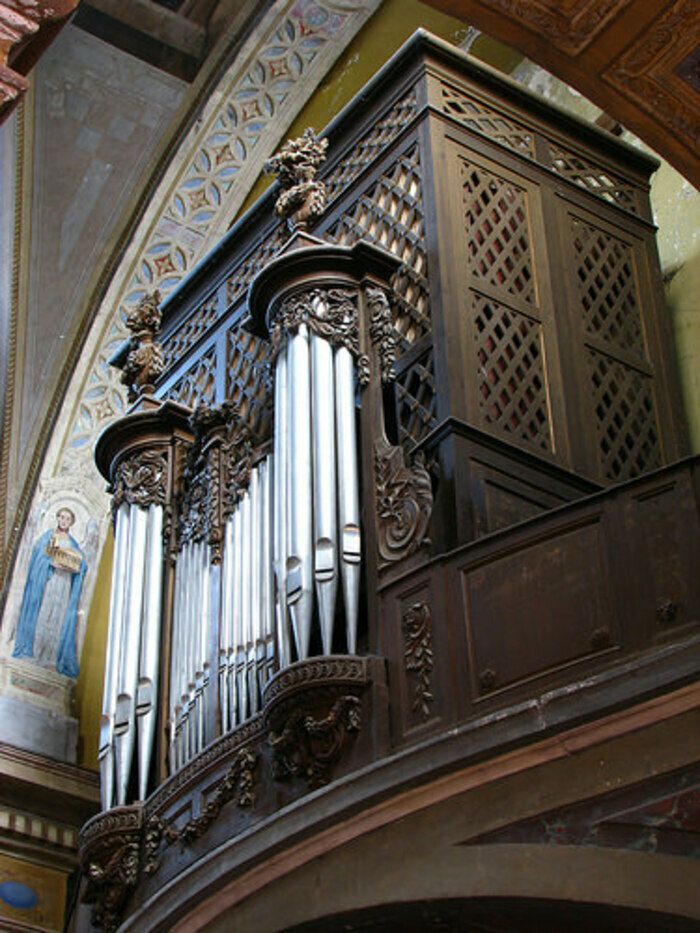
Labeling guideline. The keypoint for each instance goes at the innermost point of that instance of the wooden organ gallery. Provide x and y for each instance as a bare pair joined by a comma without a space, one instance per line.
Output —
404,456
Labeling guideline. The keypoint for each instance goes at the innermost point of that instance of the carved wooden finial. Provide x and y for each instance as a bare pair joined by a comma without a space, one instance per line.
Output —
144,360
296,165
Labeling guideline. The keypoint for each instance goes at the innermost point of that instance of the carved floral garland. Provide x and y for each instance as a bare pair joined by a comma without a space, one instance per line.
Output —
141,479
418,654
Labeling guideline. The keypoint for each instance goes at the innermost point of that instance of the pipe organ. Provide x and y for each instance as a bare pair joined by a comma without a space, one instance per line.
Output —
395,381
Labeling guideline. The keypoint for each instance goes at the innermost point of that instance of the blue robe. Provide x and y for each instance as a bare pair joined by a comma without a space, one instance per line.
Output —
38,575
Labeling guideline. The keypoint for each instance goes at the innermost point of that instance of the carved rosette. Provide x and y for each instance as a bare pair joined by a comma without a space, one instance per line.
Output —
381,330
215,475
404,502
303,198
144,359
109,856
330,313
237,785
141,479
418,655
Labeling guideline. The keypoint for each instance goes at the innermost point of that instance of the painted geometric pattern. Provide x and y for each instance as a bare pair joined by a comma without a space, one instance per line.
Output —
628,442
415,400
593,178
198,384
607,287
510,373
477,116
249,379
498,238
390,213
369,147
186,336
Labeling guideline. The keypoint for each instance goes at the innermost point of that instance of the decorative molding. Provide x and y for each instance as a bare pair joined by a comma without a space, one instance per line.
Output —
336,670
303,198
237,785
418,655
143,364
310,747
109,856
404,502
381,330
141,479
330,313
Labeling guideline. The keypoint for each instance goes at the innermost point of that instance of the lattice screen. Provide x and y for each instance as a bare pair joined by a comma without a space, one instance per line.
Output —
186,336
607,287
390,213
198,384
593,178
628,441
249,380
415,400
237,283
498,236
476,115
511,379
369,147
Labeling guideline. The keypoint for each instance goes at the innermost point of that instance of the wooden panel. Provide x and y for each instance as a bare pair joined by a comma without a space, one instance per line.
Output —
534,610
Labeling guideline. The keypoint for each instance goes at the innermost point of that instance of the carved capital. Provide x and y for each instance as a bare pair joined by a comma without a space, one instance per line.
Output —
144,360
404,502
303,198
330,313
141,479
418,655
109,856
381,330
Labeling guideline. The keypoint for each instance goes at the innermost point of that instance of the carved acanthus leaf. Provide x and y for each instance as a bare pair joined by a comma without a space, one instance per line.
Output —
418,654
110,854
310,747
381,330
404,502
141,479
296,165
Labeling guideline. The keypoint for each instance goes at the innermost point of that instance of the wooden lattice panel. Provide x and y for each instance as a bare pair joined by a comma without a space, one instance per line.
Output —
415,400
390,213
477,116
189,333
268,247
607,287
198,384
497,231
594,178
249,379
511,382
628,442
370,146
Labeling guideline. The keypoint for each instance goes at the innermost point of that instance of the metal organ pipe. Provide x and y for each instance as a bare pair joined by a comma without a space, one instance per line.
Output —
316,513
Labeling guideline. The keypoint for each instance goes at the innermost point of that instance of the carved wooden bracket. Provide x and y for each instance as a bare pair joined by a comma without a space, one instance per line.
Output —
381,330
404,502
109,853
296,164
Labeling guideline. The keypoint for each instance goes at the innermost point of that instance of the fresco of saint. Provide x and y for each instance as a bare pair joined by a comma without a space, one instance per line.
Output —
48,618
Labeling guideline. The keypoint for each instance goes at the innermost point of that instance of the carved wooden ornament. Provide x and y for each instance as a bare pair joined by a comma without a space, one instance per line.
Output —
404,502
296,164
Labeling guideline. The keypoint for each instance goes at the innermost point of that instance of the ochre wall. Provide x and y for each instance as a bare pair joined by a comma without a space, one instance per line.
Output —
88,694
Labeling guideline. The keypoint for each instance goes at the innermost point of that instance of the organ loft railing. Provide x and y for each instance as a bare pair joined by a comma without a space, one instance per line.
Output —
450,326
